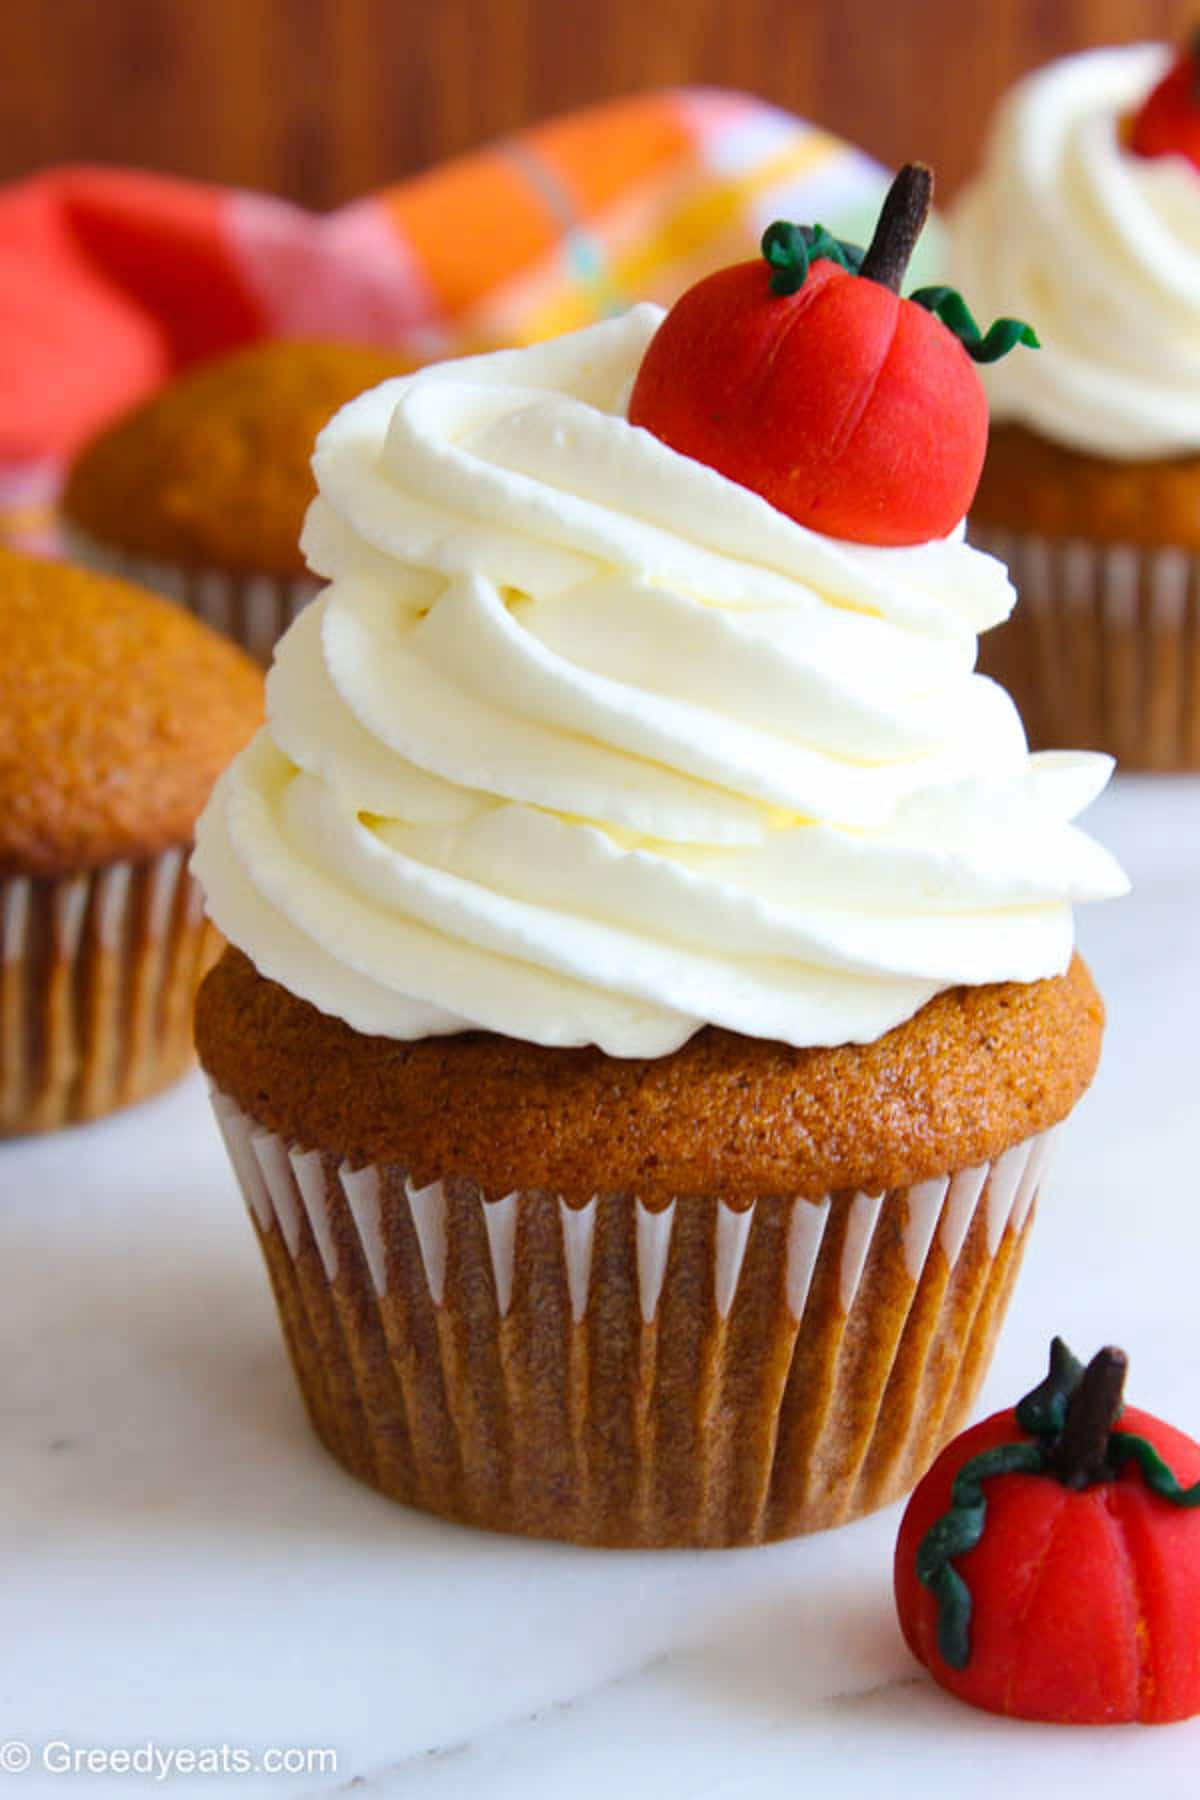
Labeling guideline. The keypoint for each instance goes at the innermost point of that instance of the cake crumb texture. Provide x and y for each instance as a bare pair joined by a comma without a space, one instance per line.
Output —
975,1071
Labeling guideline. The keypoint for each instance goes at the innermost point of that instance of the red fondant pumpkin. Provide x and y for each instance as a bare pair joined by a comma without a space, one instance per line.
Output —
853,411
1084,1602
1168,122
808,379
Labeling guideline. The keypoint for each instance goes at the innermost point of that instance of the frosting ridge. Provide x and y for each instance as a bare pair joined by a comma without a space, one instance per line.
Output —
584,743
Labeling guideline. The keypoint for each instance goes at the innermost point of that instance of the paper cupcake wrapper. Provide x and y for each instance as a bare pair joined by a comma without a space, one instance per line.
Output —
1103,650
254,609
98,974
612,1374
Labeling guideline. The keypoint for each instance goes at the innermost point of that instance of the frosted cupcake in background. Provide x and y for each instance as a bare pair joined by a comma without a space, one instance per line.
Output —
1085,216
651,997
199,492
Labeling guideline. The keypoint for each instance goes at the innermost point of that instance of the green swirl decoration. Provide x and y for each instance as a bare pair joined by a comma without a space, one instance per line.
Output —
958,1531
1003,335
1126,1446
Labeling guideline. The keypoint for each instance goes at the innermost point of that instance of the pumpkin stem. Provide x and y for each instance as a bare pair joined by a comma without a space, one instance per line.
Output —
901,222
1080,1457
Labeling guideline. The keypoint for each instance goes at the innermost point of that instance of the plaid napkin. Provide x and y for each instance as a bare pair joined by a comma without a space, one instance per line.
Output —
111,279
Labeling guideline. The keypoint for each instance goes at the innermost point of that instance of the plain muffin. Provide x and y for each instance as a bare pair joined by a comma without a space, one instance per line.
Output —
118,711
200,491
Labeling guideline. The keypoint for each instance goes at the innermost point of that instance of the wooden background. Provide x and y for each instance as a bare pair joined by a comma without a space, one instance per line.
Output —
322,99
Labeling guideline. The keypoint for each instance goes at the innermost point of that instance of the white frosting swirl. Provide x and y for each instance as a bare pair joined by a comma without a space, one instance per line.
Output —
585,743
1099,249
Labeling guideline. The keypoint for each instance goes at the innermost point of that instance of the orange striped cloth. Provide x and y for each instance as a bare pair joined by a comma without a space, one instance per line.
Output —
111,280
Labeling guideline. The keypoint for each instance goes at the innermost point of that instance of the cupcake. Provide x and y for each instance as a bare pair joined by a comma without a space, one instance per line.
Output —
118,712
650,1002
1087,215
200,491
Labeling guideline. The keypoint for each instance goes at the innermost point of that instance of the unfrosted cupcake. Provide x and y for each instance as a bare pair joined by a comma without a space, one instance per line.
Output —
200,491
1086,215
118,712
651,1000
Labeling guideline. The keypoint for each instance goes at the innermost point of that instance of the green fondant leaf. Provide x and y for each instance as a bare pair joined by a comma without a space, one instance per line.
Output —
786,249
1044,1409
1003,335
823,243
791,249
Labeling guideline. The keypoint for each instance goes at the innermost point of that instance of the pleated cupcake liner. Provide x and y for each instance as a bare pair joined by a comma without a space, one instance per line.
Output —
98,976
612,1374
1103,649
253,608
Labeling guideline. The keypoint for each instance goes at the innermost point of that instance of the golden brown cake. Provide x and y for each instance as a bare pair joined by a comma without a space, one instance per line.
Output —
118,711
1033,485
977,1069
201,490
730,1294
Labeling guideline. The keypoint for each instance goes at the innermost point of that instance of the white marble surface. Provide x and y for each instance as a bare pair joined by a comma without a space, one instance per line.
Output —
184,1565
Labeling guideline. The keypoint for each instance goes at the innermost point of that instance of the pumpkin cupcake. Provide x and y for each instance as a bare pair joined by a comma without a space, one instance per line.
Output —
118,712
1087,211
651,997
200,491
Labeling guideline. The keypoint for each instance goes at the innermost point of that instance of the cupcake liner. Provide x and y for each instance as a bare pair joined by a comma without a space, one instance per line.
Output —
98,974
252,608
695,1374
1103,650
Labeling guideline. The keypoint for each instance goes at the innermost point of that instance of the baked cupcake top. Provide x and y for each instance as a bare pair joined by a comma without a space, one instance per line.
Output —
213,470
975,1070
1069,225
117,711
586,743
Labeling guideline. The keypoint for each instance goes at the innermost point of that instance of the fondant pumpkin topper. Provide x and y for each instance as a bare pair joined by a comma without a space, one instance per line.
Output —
806,377
1168,121
1048,1566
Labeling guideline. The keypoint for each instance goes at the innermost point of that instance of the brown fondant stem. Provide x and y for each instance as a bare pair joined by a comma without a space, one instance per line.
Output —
1079,1457
900,225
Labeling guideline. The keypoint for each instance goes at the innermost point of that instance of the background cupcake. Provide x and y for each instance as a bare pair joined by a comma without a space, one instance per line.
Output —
201,490
118,712
1086,218
599,800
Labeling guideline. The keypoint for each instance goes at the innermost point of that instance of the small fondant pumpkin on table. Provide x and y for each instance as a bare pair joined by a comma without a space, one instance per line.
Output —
805,376
1048,1566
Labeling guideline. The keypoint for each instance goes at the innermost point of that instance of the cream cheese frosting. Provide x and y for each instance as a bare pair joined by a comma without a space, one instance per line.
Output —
585,743
1100,248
